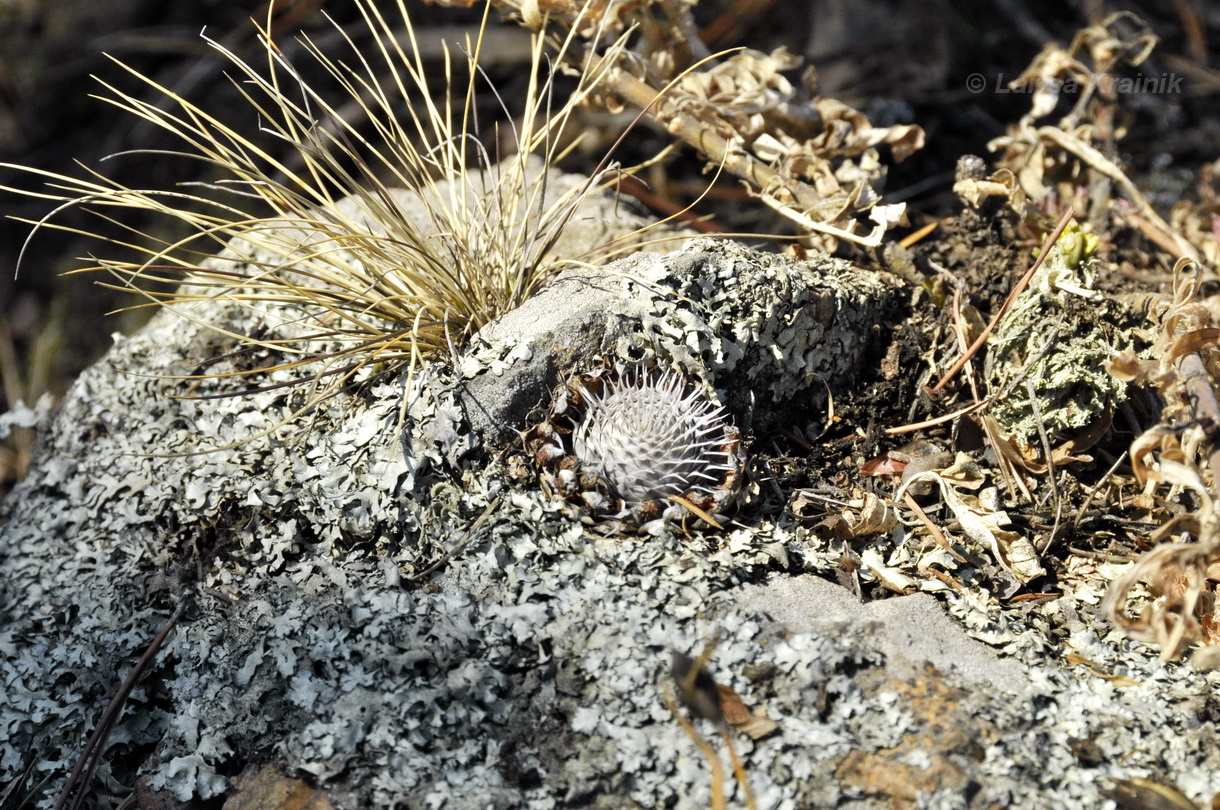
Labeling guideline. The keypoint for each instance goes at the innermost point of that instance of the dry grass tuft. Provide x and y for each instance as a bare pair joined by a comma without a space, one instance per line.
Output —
320,247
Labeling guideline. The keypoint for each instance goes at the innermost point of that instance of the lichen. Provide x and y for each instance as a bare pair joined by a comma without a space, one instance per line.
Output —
1057,339
527,671
770,334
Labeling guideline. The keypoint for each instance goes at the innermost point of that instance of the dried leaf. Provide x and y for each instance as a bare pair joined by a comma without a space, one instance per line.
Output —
1129,368
1206,657
870,515
732,706
758,726
882,465
984,526
889,577
975,191
965,473
821,155
1176,573
1145,794
1076,660
754,725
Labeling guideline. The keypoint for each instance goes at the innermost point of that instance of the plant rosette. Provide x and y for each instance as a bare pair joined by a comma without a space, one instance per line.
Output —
639,447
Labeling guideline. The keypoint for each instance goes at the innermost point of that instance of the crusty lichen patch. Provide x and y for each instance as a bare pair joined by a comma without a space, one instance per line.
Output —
770,333
1057,340
527,672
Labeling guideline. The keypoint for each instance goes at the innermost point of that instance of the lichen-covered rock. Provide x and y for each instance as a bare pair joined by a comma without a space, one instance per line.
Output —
527,671
770,332
1056,342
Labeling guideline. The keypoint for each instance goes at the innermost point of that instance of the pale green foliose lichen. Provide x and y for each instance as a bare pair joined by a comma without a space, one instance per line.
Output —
528,671
1056,341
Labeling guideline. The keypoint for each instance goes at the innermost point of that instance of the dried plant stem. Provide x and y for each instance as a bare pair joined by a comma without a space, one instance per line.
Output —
1050,464
461,544
1202,393
1093,493
73,792
739,770
718,801
774,190
937,535
939,420
696,511
700,134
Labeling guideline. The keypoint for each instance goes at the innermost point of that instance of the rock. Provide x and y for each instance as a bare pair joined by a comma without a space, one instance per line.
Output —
912,632
770,332
530,668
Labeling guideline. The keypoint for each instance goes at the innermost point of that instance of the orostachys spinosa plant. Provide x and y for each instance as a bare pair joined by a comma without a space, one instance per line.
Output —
639,444
350,285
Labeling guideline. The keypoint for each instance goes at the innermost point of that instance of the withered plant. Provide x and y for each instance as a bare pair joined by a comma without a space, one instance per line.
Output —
321,248
1172,587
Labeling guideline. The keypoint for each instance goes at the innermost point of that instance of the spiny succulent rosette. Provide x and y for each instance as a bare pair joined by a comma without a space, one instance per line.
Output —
620,441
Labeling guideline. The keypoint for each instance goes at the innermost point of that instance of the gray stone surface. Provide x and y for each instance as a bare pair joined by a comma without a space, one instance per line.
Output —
771,333
910,631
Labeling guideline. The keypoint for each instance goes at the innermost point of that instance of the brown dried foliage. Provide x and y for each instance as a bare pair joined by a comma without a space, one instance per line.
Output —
1179,600
814,160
